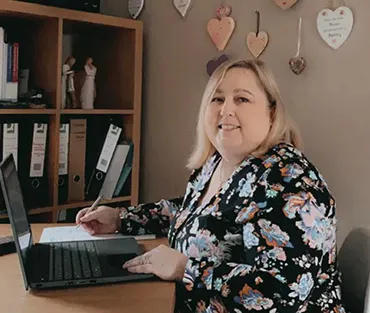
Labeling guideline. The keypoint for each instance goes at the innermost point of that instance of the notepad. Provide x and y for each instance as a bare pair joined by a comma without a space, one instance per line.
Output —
72,233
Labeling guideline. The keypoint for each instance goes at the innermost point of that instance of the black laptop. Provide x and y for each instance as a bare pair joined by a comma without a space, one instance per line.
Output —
63,264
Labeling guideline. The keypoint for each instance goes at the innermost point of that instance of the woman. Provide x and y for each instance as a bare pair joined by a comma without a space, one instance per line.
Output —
256,228
67,80
88,90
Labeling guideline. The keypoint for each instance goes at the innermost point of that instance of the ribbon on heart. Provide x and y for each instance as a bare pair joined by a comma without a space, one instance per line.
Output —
297,63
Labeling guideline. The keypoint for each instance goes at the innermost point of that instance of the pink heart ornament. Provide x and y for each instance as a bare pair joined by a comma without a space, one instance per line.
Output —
220,31
257,43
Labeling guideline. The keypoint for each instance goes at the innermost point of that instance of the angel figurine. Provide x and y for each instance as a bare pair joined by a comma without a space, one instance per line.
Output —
88,90
66,71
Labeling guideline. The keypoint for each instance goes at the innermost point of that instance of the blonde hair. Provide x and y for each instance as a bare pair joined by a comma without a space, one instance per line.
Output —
282,127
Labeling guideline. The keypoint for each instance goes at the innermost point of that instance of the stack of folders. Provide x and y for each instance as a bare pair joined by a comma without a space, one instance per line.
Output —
27,139
95,159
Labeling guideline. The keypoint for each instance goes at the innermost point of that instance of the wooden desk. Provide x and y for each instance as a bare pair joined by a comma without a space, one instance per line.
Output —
133,297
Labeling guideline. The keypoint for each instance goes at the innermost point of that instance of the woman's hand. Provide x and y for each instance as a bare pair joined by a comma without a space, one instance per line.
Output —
104,220
164,262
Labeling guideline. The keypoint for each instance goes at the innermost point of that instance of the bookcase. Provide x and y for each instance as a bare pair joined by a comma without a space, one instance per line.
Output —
116,46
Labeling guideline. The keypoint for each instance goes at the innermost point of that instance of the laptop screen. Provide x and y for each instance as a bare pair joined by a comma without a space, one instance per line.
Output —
15,206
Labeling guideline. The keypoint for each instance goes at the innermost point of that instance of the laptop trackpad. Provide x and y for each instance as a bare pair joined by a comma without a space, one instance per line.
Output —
117,246
114,253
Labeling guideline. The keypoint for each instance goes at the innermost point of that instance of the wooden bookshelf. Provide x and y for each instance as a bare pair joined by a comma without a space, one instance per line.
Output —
117,51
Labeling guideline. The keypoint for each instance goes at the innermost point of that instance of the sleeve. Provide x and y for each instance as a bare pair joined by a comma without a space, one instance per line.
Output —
149,218
288,234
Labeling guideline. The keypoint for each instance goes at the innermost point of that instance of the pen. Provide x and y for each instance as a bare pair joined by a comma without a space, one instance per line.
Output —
92,208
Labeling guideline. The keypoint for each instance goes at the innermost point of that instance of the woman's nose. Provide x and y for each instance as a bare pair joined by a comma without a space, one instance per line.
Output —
228,108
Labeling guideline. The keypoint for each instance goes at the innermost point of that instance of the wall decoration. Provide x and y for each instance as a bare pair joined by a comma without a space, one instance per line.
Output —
182,6
221,28
135,7
335,26
215,63
298,63
285,4
257,41
223,10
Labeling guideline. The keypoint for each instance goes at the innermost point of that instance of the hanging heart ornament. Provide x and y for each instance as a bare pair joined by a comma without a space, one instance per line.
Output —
182,6
135,7
297,63
223,10
285,4
335,26
212,65
220,29
257,43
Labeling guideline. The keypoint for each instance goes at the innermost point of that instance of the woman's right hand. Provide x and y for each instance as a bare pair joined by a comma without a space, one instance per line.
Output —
103,220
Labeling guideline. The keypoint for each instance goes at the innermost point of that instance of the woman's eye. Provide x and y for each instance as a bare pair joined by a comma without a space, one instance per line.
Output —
217,99
242,99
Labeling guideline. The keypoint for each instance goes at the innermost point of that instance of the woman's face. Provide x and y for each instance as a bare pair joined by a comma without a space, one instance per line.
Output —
89,61
238,118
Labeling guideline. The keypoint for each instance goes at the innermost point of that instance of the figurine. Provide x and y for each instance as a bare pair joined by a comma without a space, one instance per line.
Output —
66,70
71,93
88,90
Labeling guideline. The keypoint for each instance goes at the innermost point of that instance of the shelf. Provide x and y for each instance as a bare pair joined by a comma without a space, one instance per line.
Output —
87,203
97,111
50,34
33,212
11,7
28,111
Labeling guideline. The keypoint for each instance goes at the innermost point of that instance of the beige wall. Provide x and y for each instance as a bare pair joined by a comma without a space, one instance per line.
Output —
329,101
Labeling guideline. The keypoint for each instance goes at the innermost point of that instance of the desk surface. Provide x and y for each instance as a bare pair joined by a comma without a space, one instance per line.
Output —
124,297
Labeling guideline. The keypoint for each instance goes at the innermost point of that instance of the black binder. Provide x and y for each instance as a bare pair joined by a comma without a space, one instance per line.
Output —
111,134
9,126
63,162
33,169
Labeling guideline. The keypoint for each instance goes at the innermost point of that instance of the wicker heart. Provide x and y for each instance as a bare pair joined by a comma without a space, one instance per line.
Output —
297,65
182,6
220,31
285,4
257,44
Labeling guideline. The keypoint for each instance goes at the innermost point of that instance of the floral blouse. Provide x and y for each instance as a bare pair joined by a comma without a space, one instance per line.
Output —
265,242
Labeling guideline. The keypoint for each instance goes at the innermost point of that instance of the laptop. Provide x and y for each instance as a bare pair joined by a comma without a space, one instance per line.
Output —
63,264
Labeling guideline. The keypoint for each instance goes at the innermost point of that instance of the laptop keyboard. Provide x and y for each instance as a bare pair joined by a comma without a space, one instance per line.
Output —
75,260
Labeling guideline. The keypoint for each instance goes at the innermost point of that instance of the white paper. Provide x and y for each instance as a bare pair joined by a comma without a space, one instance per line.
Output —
72,233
